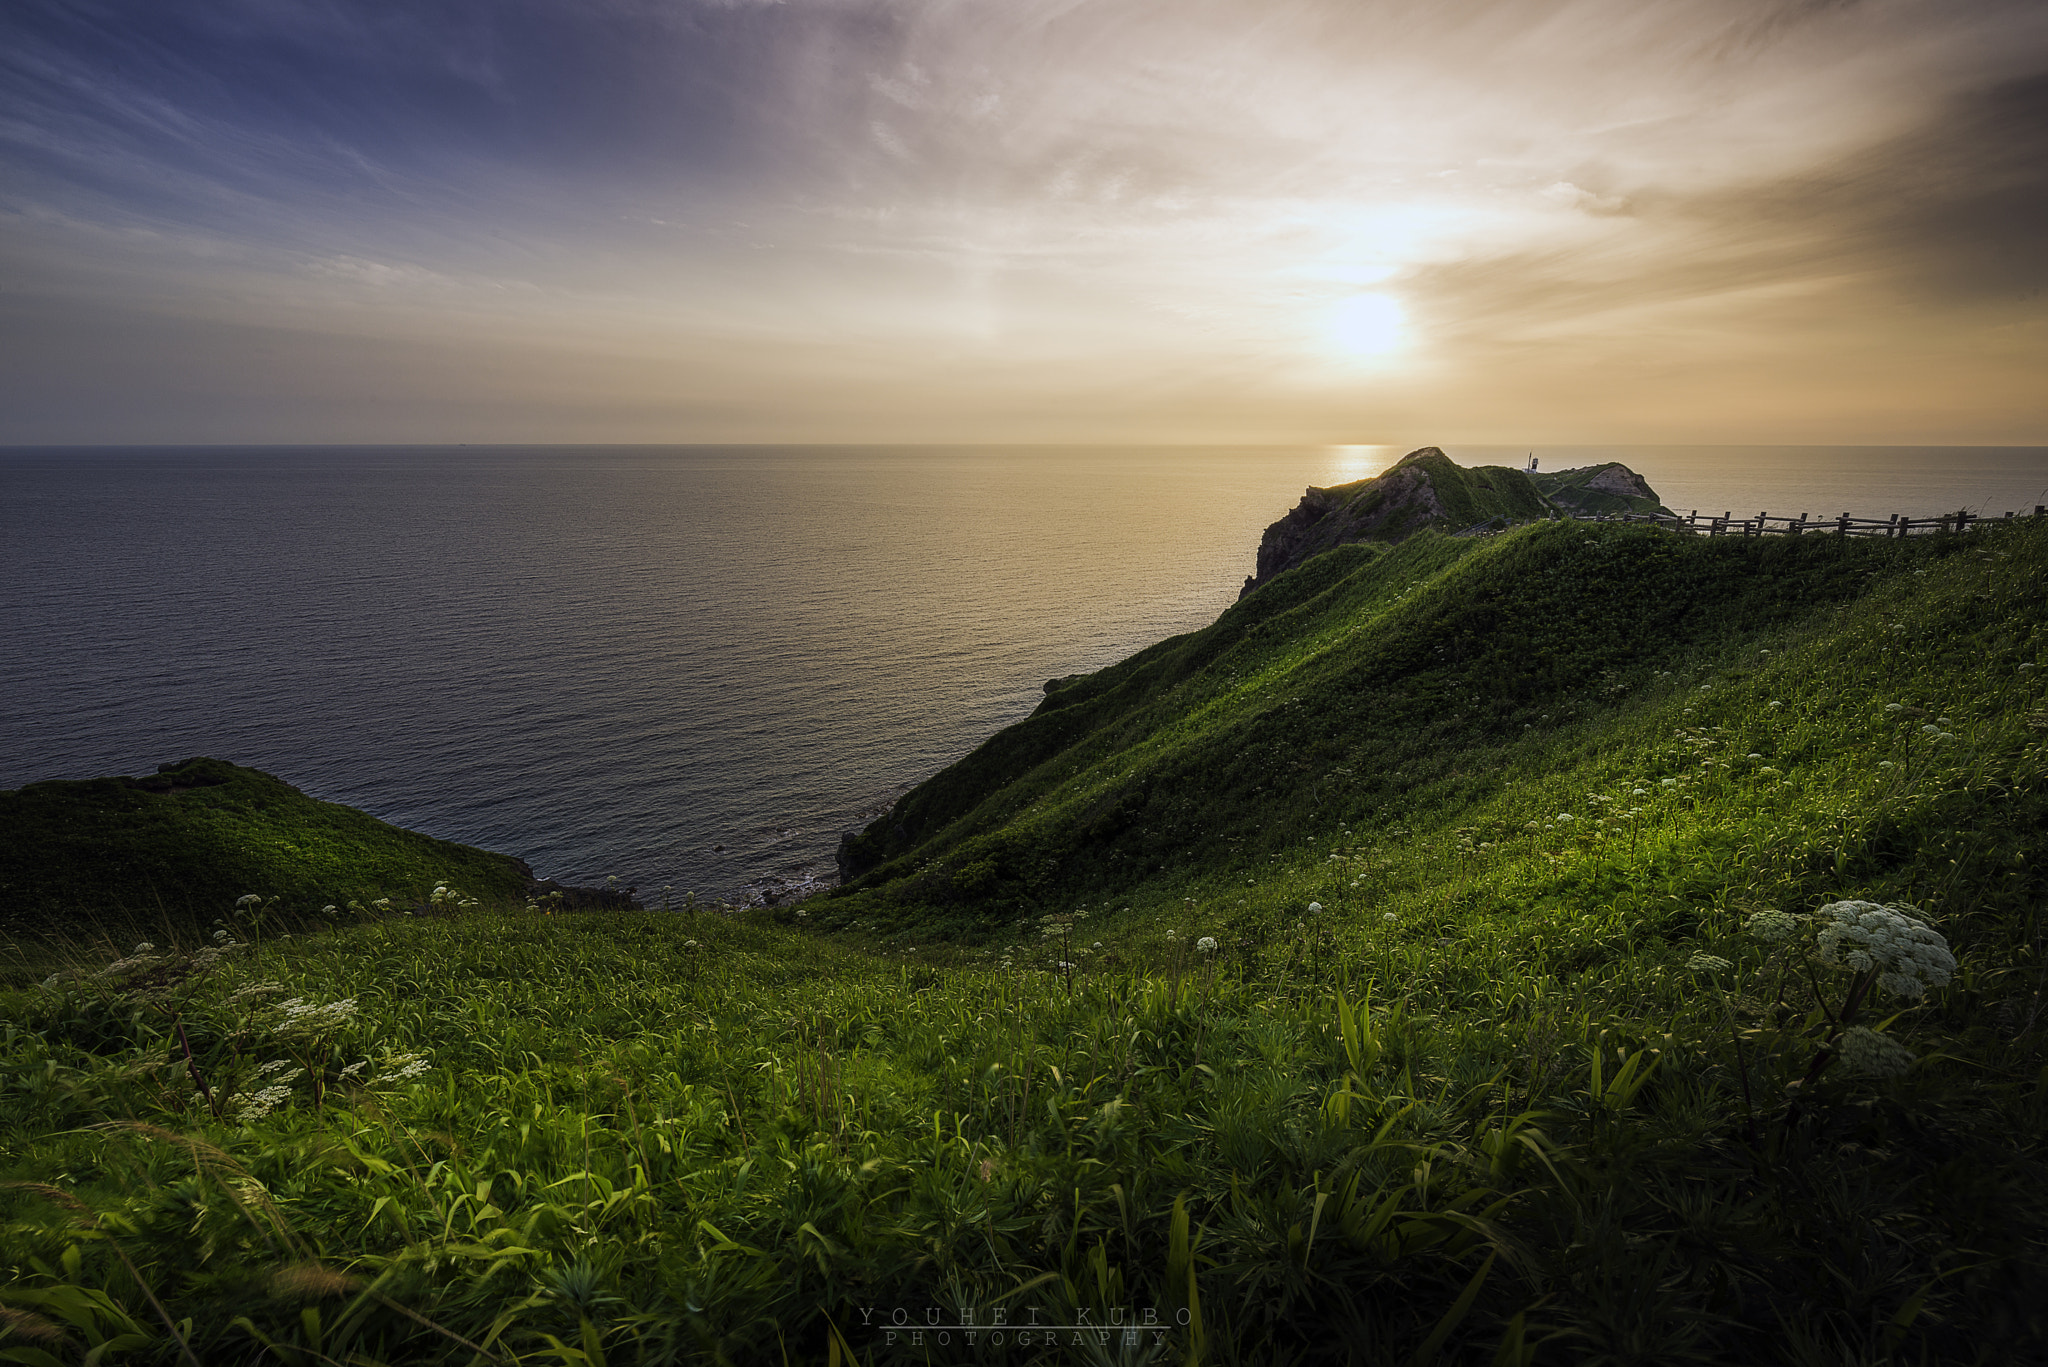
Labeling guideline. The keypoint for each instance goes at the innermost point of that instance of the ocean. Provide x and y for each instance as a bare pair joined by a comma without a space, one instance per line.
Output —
690,667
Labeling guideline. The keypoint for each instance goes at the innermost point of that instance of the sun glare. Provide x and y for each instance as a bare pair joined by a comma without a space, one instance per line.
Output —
1367,324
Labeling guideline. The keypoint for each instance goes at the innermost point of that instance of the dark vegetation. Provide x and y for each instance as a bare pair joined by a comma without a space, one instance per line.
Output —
1383,974
168,851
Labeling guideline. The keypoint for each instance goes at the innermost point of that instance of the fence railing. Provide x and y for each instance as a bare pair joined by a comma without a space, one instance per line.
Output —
1763,524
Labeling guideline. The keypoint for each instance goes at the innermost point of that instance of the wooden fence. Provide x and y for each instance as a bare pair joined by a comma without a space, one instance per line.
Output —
1763,524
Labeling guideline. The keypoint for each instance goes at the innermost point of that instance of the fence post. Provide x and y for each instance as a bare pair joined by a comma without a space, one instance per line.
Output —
1893,530
1842,525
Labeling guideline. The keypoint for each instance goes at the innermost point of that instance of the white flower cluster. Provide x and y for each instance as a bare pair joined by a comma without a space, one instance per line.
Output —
403,1068
1908,955
1775,926
1865,1053
259,1104
276,1077
1206,945
451,899
1707,963
301,1017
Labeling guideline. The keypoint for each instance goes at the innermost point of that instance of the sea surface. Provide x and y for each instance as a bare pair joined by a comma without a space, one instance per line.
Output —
690,667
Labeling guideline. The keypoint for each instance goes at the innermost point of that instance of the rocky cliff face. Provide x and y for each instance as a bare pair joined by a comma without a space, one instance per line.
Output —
1610,488
1426,489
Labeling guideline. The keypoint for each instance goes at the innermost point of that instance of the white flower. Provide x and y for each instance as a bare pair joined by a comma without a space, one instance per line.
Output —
143,948
301,1017
1774,925
1206,945
1752,755
1668,783
1389,918
1564,817
1908,955
1707,963
248,899
262,1103
1866,1053
1315,906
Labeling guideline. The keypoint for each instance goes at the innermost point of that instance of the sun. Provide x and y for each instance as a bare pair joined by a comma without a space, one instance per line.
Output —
1367,324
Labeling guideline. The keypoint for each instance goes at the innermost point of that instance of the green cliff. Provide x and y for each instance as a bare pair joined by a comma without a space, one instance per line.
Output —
179,846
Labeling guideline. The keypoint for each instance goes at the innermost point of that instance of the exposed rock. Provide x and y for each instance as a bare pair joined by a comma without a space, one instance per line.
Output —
1610,488
1427,489
1424,489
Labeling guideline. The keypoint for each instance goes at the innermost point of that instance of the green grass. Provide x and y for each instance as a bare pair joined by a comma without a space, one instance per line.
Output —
1485,1106
166,853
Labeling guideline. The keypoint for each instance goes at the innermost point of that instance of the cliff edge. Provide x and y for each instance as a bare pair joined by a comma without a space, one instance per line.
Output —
1427,489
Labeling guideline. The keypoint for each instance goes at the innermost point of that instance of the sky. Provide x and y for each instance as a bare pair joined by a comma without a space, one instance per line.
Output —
1228,221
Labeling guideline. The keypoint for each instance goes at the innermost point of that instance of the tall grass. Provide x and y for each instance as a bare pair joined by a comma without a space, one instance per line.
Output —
1516,1089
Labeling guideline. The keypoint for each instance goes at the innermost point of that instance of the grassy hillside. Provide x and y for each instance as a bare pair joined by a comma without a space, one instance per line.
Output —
172,851
1376,702
1408,968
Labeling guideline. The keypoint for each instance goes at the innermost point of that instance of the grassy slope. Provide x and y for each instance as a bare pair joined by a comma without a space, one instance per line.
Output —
175,850
1478,1110
1427,688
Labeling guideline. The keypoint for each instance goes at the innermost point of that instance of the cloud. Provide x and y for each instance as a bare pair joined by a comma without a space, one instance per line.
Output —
1137,197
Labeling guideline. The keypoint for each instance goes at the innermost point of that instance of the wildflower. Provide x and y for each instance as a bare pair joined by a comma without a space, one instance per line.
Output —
301,1017
1707,963
1908,955
248,899
1752,755
1886,764
260,1104
1206,945
1866,1053
2025,668
1639,792
1389,918
355,1067
1774,703
1314,907
1773,925
403,1067
143,948
1564,818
